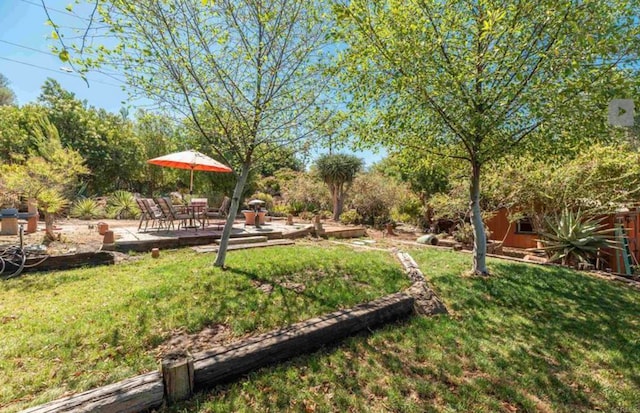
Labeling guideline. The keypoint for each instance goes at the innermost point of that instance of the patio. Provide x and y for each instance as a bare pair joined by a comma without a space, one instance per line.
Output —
77,236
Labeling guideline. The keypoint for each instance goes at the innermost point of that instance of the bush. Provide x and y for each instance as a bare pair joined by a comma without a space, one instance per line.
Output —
305,193
306,215
86,208
464,234
122,205
350,217
325,214
374,195
268,199
279,210
409,210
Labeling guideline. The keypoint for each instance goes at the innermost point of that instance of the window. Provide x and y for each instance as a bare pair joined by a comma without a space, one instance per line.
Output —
524,226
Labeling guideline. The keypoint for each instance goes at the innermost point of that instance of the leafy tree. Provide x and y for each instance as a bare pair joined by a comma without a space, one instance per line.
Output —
106,141
16,124
244,73
597,181
338,171
158,135
49,174
7,97
475,80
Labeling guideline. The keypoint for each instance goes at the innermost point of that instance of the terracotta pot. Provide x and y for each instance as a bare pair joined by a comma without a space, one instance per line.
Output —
102,228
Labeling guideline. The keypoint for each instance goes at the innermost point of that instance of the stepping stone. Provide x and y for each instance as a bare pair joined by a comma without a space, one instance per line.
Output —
214,248
245,240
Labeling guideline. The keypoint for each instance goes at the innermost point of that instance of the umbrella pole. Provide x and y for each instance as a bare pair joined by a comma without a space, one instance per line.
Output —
191,184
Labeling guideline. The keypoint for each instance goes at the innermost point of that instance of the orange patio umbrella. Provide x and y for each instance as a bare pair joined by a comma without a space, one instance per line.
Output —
192,160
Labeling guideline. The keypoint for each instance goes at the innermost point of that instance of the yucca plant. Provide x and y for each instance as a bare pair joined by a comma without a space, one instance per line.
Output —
86,208
573,237
122,205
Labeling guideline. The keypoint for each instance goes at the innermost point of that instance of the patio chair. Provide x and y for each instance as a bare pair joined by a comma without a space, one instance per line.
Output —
150,212
220,213
171,214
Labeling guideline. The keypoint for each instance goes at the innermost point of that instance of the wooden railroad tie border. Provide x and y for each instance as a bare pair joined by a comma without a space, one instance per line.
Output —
203,370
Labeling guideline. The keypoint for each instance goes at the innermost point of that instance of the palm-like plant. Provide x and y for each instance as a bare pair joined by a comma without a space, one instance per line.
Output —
122,205
574,237
337,171
86,208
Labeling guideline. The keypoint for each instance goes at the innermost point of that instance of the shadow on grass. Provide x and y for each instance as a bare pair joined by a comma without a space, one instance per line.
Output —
528,338
550,331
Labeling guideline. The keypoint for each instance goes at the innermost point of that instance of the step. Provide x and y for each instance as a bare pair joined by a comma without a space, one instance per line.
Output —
245,240
214,248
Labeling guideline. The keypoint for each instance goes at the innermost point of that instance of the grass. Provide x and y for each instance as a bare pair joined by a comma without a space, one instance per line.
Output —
529,338
70,331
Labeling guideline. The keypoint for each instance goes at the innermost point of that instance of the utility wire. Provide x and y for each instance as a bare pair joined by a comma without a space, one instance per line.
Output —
26,47
56,10
56,71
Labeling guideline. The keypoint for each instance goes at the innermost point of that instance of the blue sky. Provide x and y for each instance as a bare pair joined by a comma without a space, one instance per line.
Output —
26,59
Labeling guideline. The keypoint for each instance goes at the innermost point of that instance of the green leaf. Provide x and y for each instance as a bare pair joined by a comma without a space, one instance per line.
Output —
64,56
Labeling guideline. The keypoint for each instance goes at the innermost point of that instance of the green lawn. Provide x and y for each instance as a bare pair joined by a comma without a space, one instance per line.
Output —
530,338
74,330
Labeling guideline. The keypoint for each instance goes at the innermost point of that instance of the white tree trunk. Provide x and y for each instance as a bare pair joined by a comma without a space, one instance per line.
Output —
233,209
480,237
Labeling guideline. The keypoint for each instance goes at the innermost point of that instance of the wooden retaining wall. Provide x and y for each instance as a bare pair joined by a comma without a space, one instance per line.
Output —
132,395
68,261
228,362
183,241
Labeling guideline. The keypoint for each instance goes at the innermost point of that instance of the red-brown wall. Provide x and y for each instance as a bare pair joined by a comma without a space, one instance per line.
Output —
499,226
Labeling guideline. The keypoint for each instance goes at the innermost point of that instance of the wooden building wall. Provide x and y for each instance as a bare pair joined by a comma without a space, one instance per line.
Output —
499,226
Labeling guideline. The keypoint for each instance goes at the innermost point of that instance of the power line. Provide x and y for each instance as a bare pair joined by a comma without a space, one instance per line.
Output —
55,71
26,47
52,9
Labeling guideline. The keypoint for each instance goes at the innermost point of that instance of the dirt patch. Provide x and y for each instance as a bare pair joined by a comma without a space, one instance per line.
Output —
180,341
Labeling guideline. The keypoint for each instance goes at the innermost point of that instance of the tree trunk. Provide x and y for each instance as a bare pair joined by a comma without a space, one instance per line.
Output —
233,209
335,194
48,225
480,238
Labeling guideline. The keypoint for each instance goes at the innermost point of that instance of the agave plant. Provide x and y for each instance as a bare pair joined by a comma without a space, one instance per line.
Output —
122,205
86,208
574,237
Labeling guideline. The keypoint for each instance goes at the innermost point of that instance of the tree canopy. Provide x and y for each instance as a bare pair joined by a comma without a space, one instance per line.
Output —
244,73
7,97
473,80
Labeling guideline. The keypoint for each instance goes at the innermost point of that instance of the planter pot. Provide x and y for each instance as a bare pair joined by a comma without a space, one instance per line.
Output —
102,228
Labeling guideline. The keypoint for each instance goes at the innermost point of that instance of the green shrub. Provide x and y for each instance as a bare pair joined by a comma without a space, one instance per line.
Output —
350,217
279,210
306,215
86,208
122,205
305,193
268,199
373,196
464,234
409,210
325,214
